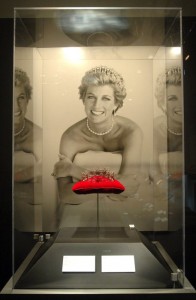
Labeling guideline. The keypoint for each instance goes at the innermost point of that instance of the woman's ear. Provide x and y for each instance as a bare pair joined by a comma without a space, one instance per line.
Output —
115,109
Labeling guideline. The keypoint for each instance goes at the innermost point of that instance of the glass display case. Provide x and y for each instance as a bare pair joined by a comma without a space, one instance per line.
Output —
98,103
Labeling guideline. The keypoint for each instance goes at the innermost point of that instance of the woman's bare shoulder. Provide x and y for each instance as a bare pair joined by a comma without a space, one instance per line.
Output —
128,124
72,139
160,125
32,125
32,130
74,130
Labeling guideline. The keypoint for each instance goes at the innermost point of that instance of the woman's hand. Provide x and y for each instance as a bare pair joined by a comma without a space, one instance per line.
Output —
63,168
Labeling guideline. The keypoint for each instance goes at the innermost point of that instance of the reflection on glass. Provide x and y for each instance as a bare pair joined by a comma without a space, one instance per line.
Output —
98,27
168,142
27,154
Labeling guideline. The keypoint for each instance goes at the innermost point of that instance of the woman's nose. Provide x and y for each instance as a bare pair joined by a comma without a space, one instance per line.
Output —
97,102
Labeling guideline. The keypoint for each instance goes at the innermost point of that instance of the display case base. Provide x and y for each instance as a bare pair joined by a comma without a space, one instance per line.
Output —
41,272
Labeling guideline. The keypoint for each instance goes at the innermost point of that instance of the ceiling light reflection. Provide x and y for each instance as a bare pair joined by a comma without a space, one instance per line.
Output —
176,51
89,21
73,54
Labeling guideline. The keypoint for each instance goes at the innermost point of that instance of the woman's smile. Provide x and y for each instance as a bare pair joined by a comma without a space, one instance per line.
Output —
97,113
18,113
178,111
20,104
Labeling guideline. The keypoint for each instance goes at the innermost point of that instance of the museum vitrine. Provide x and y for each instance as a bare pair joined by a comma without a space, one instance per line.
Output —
98,169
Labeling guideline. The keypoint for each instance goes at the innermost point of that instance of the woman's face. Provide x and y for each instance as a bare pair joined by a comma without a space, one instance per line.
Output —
174,103
99,103
20,104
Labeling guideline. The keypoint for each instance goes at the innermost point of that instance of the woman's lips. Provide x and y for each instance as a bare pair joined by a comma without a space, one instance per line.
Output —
97,113
18,113
178,112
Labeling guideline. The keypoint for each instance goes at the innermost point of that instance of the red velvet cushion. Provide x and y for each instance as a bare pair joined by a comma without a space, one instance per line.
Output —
98,184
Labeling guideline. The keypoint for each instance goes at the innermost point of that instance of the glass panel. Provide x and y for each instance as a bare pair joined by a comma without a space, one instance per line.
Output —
106,110
28,142
168,161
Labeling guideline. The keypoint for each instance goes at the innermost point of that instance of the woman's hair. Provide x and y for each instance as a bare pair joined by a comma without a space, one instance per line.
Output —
171,76
22,79
104,76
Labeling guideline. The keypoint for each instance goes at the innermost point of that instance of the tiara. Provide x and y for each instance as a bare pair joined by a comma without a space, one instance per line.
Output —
98,181
98,174
173,70
114,76
20,72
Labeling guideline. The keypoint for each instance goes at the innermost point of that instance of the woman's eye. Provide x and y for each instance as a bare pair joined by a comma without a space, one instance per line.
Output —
21,98
90,97
172,98
106,98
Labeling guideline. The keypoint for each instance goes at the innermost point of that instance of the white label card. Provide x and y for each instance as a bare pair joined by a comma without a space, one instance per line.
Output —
117,263
78,263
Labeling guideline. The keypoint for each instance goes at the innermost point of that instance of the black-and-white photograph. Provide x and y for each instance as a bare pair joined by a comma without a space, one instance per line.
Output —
78,109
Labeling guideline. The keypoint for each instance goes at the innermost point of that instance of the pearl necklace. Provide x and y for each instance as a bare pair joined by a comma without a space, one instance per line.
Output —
100,133
174,132
21,130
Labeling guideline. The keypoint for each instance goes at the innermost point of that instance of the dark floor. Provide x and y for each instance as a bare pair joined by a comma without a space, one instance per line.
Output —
190,247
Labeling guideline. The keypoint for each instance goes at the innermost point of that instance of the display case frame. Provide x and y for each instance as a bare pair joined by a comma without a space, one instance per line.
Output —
41,226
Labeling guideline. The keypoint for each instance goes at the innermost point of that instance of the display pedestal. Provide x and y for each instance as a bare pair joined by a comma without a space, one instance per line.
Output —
45,269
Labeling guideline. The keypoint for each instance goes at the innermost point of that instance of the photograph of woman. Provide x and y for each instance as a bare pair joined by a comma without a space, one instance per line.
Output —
27,136
101,140
27,156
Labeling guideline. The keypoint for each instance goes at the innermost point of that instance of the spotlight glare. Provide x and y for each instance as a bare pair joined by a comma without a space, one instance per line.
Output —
73,54
176,51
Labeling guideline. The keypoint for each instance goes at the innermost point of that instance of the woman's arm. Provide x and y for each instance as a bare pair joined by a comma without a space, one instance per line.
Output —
70,145
129,173
65,170
26,168
66,195
28,154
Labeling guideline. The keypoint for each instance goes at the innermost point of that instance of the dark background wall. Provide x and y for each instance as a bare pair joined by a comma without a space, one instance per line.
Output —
6,69
6,75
